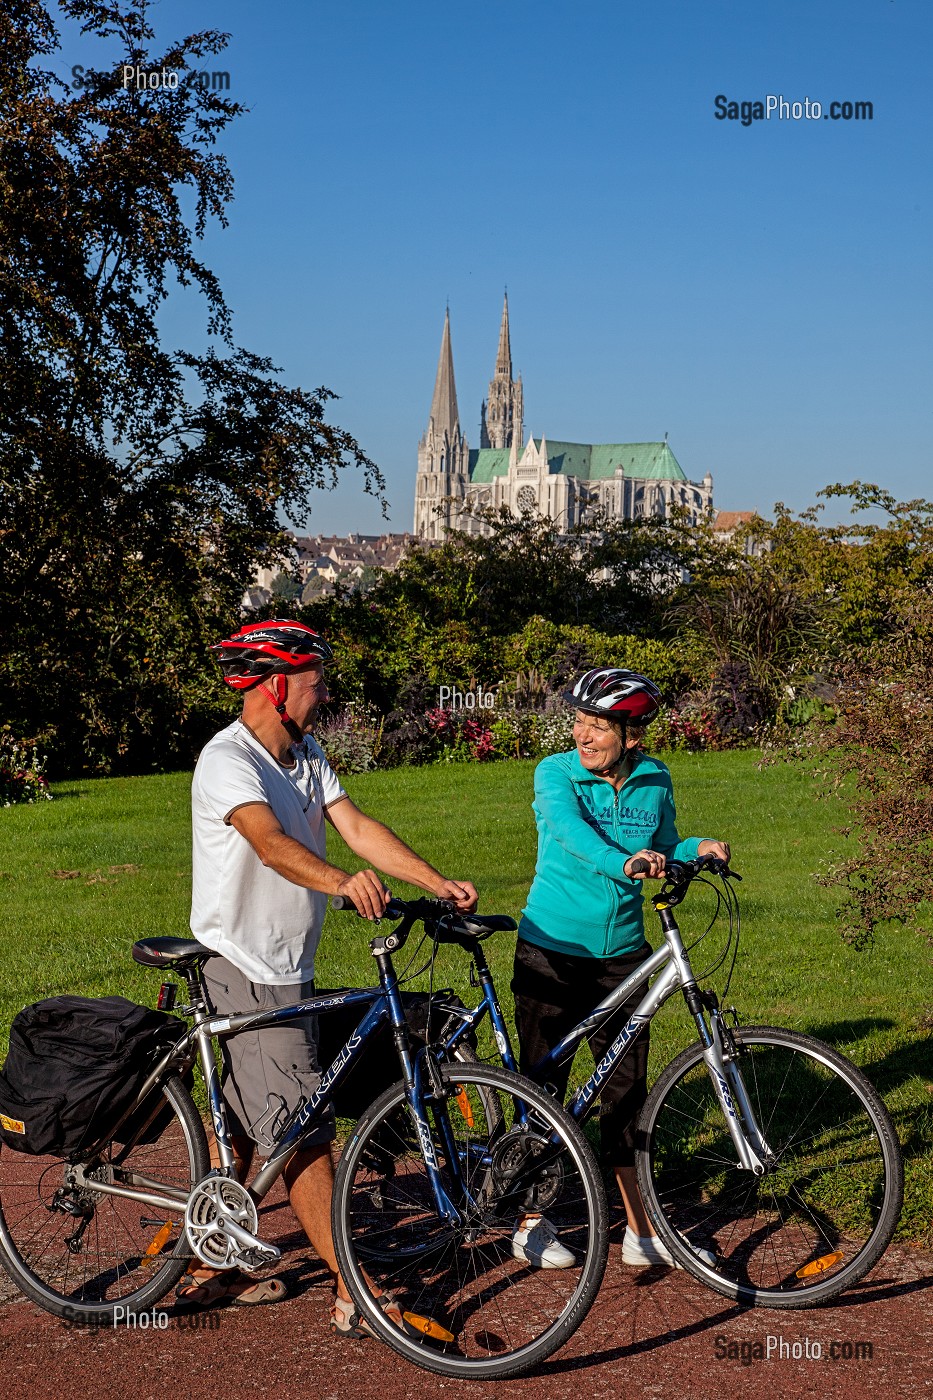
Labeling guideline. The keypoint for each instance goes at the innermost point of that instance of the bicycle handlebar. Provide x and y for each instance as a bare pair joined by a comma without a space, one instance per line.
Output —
442,921
393,910
681,872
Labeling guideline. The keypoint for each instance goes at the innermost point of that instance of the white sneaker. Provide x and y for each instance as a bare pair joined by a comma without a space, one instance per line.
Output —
647,1251
536,1243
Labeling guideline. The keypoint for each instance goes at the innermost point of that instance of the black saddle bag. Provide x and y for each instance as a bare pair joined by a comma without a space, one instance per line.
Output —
74,1066
378,1066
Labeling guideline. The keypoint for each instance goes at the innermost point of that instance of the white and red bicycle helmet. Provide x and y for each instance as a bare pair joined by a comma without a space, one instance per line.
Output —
615,693
267,651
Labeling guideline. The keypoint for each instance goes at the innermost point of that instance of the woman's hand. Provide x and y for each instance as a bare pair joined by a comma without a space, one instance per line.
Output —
654,861
719,849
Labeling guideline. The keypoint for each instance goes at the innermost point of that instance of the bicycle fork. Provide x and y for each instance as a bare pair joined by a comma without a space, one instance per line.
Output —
721,1056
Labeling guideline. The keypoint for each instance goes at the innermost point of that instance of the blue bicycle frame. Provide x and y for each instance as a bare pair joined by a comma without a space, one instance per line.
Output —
384,1004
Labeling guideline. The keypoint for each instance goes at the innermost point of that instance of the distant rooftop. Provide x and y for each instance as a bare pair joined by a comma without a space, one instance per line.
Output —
732,519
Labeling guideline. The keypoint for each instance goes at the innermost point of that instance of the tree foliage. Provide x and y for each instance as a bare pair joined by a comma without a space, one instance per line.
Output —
140,484
874,744
878,751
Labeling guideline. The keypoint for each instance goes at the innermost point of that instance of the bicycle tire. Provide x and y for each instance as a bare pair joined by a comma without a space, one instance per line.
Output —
118,1261
501,1315
827,1206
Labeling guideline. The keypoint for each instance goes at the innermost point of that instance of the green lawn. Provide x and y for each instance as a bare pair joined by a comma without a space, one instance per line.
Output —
109,861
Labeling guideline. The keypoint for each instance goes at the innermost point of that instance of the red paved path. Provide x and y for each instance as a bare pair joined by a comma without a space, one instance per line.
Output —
650,1334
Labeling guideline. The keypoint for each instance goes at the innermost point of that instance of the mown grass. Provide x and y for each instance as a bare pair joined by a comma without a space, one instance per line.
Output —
109,861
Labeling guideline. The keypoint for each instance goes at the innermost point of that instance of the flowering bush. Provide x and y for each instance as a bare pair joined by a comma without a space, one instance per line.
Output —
479,740
555,729
351,739
692,729
513,733
22,776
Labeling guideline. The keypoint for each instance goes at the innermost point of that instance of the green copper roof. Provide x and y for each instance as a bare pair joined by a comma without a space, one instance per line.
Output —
588,461
488,462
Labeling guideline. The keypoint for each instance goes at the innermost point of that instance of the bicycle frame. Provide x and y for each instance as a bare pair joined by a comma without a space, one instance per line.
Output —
384,1005
671,963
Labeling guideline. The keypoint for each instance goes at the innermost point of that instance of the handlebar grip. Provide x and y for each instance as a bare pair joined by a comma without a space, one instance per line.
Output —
639,867
393,910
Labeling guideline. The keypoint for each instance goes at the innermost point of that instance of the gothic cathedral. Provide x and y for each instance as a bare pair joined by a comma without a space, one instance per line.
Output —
568,481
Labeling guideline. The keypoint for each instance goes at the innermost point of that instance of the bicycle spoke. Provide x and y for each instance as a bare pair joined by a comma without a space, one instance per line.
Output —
43,1205
828,1194
466,1277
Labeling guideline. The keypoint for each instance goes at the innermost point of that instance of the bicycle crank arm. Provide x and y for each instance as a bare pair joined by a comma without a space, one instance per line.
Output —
261,1251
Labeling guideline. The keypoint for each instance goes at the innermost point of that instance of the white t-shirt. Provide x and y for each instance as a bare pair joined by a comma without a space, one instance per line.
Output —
246,911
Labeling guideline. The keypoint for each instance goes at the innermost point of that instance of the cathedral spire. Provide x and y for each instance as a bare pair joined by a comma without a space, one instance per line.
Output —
444,404
504,355
501,413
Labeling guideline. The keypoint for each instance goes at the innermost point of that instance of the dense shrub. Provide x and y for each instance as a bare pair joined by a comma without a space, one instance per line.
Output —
877,749
692,728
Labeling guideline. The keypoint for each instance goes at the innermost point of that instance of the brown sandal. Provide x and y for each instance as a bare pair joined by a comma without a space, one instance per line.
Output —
228,1289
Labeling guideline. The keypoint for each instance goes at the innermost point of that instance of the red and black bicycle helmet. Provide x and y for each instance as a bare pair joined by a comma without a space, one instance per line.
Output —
263,648
615,693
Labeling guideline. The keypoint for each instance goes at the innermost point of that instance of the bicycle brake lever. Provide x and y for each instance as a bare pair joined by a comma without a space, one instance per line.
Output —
721,868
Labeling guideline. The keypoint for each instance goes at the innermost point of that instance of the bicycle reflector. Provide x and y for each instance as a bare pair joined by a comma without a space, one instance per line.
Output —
167,993
428,1327
819,1266
462,1100
157,1245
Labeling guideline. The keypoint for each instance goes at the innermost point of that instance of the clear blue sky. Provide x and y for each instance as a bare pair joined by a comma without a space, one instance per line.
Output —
761,293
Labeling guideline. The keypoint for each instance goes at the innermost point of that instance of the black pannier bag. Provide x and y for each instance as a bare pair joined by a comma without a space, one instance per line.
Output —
378,1065
74,1066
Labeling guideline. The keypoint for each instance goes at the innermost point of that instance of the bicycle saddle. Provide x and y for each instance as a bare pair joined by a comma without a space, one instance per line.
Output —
453,927
170,952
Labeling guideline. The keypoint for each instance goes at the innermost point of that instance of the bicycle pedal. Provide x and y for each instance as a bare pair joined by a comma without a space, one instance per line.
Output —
251,1260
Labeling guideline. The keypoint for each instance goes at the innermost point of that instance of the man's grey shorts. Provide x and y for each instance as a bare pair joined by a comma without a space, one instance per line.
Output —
266,1073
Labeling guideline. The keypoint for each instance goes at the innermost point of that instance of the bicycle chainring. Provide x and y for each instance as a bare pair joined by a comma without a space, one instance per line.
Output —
212,1199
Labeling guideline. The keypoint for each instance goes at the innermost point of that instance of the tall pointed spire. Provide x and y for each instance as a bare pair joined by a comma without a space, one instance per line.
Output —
501,413
504,355
444,404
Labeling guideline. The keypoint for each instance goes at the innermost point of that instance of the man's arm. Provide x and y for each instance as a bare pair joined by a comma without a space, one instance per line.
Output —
379,846
257,823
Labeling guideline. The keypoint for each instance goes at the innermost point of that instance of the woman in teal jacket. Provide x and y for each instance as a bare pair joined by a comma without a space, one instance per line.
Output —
598,809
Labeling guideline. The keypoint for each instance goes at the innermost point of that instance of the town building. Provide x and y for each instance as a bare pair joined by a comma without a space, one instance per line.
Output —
316,563
571,482
728,522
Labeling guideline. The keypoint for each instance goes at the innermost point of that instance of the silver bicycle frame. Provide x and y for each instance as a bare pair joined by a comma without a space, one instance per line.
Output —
672,964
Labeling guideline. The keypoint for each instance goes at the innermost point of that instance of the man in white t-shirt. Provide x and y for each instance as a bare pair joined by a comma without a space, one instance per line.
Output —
261,792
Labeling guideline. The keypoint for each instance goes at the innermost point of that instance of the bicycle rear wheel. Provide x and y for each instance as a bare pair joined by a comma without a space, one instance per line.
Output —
504,1149
827,1205
82,1253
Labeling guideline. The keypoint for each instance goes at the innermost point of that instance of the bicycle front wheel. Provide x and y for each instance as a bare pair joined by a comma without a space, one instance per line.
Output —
81,1253
825,1208
387,1152
505,1151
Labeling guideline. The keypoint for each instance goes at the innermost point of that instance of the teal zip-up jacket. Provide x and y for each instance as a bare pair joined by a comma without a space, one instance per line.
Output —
581,902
